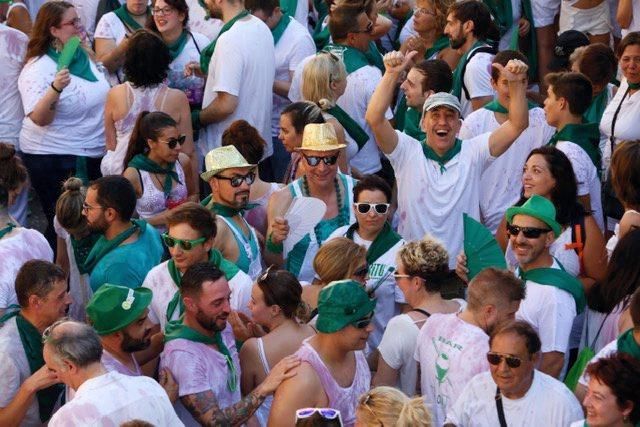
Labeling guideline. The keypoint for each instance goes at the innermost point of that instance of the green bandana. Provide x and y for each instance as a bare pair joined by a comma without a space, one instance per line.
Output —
176,48
627,344
586,135
350,126
207,52
79,66
561,280
142,162
442,160
289,7
223,210
321,36
502,13
530,41
456,89
3,232
441,42
596,108
103,246
498,108
633,86
31,340
82,248
354,59
385,240
177,329
127,19
279,29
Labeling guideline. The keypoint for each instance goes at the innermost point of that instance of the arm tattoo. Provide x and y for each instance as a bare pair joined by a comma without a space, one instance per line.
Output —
204,408
52,106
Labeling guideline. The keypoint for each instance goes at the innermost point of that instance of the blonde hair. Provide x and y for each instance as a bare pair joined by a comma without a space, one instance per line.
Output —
338,259
69,204
427,259
389,407
317,76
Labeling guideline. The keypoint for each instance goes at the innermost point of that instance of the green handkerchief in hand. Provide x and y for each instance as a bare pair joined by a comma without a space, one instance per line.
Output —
68,51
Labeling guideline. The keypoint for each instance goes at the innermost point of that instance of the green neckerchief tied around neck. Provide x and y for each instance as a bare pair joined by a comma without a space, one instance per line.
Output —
586,135
224,210
441,42
176,48
125,16
456,89
597,107
429,153
142,162
6,230
207,52
354,59
103,246
80,65
385,240
281,27
627,344
496,107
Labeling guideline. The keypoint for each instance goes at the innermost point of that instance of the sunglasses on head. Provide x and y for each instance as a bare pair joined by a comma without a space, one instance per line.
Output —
362,323
236,181
185,245
529,232
172,142
496,358
314,161
326,413
379,208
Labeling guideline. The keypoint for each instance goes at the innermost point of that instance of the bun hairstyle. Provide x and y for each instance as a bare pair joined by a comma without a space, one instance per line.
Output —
283,289
148,126
388,406
246,139
69,204
13,173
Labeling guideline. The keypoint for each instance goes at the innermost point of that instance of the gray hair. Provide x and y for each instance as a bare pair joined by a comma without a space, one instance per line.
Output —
73,341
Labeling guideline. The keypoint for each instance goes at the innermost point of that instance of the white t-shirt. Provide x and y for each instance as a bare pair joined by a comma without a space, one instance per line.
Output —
113,399
209,27
548,402
397,348
477,79
501,182
242,65
78,125
164,288
587,177
627,128
13,48
444,196
111,27
294,45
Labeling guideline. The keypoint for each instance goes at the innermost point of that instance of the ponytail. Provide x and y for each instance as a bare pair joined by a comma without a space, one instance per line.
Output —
148,126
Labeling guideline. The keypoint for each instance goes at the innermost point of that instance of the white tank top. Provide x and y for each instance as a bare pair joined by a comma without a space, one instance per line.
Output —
153,201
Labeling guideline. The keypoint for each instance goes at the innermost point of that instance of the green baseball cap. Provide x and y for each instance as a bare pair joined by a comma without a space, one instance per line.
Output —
341,303
114,307
539,208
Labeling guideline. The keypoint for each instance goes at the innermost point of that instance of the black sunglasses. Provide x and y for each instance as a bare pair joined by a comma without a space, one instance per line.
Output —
496,358
172,142
314,161
380,208
237,180
363,323
529,232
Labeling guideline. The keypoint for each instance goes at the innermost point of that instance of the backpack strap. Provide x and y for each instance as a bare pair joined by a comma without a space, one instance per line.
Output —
481,49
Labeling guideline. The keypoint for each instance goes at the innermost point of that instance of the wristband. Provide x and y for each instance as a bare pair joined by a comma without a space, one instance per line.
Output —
274,248
59,91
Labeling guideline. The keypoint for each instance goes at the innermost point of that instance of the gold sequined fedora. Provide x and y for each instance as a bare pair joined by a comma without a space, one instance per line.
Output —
223,158
319,137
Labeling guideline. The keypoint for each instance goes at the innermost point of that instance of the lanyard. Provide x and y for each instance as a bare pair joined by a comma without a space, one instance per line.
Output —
503,421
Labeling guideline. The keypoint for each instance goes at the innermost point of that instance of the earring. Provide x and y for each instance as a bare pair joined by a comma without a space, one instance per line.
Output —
57,45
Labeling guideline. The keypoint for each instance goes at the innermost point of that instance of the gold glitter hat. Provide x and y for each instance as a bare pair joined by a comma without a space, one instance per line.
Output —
319,137
223,158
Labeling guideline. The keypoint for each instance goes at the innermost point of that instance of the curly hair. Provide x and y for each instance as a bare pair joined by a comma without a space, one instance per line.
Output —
246,139
427,259
146,62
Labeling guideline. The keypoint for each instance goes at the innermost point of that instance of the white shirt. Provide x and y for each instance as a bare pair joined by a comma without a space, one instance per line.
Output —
164,288
13,48
110,27
302,13
243,65
505,40
113,399
501,182
78,124
548,402
627,128
295,45
477,79
437,209
450,352
397,347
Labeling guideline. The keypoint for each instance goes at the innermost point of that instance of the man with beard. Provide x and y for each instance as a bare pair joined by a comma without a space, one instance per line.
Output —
240,69
28,394
201,354
449,344
119,316
230,177
128,248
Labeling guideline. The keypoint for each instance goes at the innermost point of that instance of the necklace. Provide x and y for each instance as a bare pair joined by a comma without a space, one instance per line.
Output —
306,192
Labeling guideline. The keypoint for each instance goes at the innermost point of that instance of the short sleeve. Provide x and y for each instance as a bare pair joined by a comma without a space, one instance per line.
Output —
479,147
300,51
33,84
189,372
105,28
581,163
406,151
477,76
394,347
556,316
295,89
227,68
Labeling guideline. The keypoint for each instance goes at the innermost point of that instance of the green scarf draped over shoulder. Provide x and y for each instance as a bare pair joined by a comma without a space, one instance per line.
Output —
176,48
127,19
561,280
586,135
350,126
354,59
385,240
80,65
103,246
207,52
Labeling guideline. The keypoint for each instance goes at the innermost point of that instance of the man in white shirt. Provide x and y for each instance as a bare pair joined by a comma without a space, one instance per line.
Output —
450,346
439,179
513,392
72,352
240,68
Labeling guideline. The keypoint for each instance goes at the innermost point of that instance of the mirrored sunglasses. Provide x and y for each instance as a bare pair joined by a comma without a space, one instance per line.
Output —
314,161
236,181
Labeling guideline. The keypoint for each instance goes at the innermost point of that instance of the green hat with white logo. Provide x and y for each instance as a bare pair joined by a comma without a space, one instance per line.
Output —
114,307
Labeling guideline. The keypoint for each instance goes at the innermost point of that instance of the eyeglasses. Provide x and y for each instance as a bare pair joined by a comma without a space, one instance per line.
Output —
379,208
236,181
75,22
314,161
87,207
327,413
496,358
368,29
162,11
362,271
185,245
529,232
423,11
363,323
172,142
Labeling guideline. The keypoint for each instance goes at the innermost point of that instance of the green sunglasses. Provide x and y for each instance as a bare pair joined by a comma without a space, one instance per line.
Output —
185,245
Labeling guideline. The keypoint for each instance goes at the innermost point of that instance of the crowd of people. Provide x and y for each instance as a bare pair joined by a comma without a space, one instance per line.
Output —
320,213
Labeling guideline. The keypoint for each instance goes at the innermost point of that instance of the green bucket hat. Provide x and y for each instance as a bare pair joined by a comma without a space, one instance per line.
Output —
114,307
537,207
341,303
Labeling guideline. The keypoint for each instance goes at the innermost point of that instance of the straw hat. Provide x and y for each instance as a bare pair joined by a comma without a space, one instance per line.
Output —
319,137
223,158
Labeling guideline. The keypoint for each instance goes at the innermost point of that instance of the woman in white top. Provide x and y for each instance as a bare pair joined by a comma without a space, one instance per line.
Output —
146,66
170,20
63,131
156,167
113,32
15,14
275,304
423,267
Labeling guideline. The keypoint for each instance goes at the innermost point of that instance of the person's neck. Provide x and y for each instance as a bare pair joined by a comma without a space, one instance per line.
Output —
204,258
223,203
326,190
346,43
115,350
469,317
170,36
425,300
636,335
568,119
278,321
116,228
442,151
35,320
231,10
545,260
330,353
155,158
466,47
520,390
429,37
368,233
274,20
92,371
195,325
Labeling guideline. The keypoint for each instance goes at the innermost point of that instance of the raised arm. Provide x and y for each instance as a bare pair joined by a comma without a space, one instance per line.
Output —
502,138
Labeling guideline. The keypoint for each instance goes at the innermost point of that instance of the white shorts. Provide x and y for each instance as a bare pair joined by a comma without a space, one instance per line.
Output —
544,12
594,21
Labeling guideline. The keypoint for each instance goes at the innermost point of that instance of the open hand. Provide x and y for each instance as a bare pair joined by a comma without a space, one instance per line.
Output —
283,370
